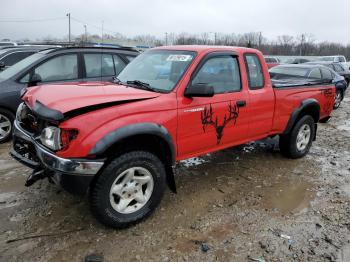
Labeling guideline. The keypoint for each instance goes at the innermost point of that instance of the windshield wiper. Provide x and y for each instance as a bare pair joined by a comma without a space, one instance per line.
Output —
144,85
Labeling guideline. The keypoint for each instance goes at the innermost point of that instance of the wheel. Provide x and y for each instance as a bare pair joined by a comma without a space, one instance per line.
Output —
6,122
338,98
128,189
297,143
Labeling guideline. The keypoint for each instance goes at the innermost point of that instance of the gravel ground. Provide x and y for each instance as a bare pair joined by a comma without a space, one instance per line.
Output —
241,204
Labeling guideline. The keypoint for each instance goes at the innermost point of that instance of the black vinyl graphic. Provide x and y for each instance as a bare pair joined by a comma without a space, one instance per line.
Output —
207,120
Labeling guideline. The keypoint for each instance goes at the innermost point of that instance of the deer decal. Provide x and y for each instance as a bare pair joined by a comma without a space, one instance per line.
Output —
207,120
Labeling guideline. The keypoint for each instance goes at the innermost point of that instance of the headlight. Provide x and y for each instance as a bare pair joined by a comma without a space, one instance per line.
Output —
51,138
20,111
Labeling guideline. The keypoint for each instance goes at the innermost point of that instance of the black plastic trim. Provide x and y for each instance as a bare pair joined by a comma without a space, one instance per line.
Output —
297,111
47,113
132,130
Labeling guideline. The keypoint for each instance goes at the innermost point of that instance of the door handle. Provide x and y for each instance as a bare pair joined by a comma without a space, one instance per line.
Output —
241,103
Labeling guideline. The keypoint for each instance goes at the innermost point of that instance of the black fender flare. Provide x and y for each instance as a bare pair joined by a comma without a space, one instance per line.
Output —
310,102
146,128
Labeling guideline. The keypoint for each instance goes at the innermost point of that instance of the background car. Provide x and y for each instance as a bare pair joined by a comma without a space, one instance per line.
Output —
336,59
57,65
11,55
297,60
337,67
7,43
311,72
272,61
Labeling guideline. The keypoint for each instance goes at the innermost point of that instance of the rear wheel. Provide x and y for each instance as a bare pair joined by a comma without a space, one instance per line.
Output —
6,122
128,190
297,143
338,99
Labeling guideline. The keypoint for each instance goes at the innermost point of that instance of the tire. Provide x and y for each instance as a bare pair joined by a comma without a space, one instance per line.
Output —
6,125
289,145
338,99
109,206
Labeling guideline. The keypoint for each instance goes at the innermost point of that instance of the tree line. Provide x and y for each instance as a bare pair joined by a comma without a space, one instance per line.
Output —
300,45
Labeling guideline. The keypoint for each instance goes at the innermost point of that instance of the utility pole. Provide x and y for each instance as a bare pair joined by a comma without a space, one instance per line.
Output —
302,44
69,36
166,38
215,36
85,33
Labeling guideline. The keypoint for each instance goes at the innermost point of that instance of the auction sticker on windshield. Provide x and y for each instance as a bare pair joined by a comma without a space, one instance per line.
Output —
179,58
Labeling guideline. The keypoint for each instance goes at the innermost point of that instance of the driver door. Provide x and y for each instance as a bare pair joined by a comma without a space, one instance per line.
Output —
209,123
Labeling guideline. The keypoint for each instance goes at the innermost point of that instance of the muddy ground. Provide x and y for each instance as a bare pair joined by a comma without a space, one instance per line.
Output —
242,204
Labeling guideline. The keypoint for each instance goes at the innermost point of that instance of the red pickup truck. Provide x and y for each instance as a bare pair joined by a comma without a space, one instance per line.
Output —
120,141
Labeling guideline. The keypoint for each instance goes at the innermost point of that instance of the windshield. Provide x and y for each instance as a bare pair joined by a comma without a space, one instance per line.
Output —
18,67
161,69
291,71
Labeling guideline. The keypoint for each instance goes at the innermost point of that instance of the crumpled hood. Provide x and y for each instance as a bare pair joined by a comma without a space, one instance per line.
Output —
68,97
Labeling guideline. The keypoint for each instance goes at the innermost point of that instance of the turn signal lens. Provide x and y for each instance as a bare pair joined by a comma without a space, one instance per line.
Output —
67,135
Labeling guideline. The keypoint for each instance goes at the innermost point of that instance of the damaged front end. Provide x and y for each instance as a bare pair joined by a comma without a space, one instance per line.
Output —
74,175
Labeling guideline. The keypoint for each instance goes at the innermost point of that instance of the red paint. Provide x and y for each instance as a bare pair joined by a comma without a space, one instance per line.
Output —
267,110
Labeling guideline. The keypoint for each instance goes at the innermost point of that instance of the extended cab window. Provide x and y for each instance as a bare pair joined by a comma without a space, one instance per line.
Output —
98,65
315,74
327,74
220,72
59,68
255,73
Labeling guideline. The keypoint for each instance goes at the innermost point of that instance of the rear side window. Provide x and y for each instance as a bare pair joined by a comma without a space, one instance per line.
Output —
255,73
221,72
315,74
326,73
13,58
98,65
341,59
59,68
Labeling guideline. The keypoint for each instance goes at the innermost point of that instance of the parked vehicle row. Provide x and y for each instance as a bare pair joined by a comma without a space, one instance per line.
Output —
120,141
56,65
12,55
314,72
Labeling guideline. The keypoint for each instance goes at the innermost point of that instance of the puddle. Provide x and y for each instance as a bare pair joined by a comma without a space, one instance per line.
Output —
292,196
7,200
346,189
345,254
345,127
8,164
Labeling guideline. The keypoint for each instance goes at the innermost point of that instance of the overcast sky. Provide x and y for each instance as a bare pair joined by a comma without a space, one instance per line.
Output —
327,20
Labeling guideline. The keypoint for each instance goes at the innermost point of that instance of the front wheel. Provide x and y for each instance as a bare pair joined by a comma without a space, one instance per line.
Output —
6,121
338,99
128,189
297,143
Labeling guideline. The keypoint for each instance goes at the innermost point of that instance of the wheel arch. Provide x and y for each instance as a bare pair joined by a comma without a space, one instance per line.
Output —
307,107
141,136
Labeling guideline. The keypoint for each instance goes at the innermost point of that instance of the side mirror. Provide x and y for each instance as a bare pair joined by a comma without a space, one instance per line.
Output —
34,80
2,65
199,90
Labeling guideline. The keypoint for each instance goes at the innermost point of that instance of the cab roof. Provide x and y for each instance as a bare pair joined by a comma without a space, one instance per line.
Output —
205,48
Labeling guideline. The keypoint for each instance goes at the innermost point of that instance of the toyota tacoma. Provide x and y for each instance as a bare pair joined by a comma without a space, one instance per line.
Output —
119,142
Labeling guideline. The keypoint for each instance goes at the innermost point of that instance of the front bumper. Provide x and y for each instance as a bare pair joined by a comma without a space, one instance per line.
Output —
74,175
